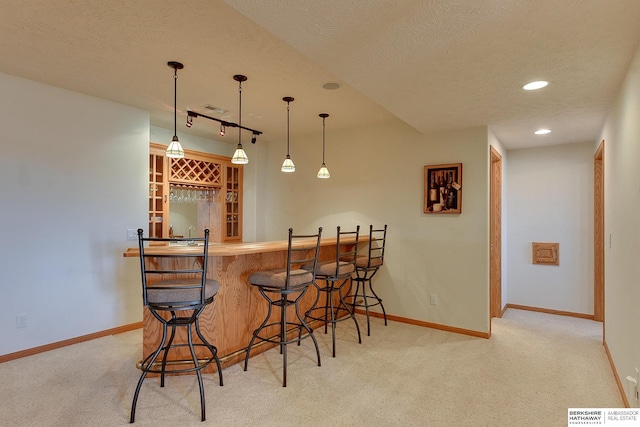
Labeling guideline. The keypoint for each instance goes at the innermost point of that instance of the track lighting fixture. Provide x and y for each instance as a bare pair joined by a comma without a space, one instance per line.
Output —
174,150
240,157
222,130
323,172
226,124
189,121
287,165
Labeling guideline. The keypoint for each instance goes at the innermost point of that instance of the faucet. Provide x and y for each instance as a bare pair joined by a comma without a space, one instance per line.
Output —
191,242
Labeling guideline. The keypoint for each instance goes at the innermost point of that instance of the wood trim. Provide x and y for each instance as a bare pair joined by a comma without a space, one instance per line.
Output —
550,311
495,235
71,341
598,233
504,309
615,374
428,324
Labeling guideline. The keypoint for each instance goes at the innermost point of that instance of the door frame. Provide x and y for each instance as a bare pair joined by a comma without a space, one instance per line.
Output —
598,233
495,235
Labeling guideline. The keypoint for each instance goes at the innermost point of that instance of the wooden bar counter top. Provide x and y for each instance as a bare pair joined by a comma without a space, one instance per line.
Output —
238,309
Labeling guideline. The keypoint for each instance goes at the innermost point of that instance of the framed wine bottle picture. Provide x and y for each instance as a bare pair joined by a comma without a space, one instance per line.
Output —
443,189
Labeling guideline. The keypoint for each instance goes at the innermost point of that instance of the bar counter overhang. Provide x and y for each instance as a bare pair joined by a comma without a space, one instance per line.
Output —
238,308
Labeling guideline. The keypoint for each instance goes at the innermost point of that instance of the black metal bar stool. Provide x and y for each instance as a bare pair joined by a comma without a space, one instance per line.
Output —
276,286
366,267
183,291
336,276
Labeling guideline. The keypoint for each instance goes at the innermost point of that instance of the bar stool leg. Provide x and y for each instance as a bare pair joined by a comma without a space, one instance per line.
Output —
346,307
257,331
304,325
144,367
211,348
283,338
167,347
384,313
198,373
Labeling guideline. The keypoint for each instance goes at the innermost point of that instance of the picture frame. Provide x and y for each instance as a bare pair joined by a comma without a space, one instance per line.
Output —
443,189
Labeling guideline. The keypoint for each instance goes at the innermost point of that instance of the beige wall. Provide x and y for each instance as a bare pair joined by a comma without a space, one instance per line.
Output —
377,178
550,199
622,227
73,181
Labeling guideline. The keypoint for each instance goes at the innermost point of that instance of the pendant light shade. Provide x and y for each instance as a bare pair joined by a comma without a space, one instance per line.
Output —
287,165
323,172
240,157
174,150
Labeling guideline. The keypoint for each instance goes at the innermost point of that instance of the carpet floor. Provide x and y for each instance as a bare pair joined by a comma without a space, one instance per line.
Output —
533,368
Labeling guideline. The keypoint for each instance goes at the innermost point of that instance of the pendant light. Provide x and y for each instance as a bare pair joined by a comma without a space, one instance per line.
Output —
240,157
323,172
287,165
174,150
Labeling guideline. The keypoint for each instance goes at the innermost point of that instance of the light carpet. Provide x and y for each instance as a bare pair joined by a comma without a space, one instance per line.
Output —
533,368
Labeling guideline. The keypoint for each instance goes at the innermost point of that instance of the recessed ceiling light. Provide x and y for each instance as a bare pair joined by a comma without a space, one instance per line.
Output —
331,85
542,131
535,85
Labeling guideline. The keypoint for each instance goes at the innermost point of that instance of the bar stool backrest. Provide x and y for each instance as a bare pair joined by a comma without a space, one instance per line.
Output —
303,249
176,281
377,241
346,250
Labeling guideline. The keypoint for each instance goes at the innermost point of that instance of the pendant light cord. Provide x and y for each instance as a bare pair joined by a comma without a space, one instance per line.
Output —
240,114
323,119
175,101
288,128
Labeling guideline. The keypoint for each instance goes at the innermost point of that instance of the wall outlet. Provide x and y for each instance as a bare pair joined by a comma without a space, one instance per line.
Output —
22,321
132,234
434,299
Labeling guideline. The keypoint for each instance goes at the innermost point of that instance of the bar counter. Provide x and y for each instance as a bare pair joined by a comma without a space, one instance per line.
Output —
238,309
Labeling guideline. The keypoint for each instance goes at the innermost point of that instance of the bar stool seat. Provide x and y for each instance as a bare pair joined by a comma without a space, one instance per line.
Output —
328,269
277,279
181,290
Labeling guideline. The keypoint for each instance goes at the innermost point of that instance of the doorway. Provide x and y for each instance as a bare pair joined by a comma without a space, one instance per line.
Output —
495,236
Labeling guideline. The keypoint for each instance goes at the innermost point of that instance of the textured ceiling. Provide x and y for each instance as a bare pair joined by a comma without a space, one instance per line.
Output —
436,65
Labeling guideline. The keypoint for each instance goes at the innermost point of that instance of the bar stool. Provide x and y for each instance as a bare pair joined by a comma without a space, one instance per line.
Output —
276,286
181,293
335,276
366,267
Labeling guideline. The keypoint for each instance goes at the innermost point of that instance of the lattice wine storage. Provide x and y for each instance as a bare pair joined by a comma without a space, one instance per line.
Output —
195,172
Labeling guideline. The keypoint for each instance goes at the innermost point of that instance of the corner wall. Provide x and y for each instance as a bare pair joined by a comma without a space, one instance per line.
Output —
73,181
621,134
377,177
